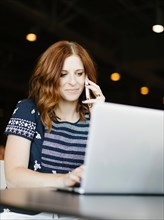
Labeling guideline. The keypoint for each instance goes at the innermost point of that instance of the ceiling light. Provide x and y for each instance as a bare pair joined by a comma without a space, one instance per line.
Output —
158,26
144,90
31,37
115,76
33,34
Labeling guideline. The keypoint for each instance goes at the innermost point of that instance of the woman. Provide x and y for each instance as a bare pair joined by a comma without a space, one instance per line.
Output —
47,132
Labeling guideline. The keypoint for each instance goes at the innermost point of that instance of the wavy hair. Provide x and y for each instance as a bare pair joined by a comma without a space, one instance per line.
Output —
44,83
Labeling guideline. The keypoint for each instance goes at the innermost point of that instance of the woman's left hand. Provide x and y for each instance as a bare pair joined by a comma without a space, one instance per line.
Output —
99,97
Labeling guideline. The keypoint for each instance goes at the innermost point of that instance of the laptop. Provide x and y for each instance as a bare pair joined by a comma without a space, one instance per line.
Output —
125,151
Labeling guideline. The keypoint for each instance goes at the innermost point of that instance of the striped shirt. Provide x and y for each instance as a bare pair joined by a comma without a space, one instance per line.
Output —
64,147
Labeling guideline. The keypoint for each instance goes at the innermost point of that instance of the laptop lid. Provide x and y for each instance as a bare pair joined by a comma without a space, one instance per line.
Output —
125,152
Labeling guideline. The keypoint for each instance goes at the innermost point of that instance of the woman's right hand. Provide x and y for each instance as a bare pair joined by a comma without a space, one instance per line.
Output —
74,176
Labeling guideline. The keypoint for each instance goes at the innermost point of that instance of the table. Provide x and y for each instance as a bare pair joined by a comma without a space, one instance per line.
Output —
87,206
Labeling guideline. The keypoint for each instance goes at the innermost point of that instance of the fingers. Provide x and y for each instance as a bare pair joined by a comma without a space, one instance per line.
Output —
74,176
99,97
95,88
78,172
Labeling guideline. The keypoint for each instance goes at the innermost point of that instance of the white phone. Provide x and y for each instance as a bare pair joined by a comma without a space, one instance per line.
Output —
87,92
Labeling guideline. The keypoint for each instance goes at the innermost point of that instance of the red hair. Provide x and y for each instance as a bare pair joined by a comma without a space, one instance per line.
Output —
44,83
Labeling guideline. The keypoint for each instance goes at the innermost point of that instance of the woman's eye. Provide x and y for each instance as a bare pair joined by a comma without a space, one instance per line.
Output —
63,74
80,73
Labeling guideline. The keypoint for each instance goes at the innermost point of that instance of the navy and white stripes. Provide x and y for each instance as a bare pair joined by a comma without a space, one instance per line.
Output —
64,147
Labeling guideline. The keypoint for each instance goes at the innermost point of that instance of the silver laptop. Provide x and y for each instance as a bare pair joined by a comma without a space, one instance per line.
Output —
125,151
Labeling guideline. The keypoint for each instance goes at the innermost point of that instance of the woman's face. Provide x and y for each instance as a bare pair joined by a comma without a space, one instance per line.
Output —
72,78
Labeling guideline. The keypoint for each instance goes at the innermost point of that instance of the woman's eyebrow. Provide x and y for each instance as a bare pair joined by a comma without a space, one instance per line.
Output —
80,70
63,70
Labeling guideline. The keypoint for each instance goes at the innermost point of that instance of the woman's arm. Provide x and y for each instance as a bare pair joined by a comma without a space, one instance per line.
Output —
17,154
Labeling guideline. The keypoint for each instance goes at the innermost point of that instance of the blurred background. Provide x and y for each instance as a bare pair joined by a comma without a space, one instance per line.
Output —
120,35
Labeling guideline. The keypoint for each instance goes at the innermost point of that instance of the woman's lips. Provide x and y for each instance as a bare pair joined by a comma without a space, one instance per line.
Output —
72,90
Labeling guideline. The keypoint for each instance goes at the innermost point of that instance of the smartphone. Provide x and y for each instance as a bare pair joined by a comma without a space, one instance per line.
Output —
87,91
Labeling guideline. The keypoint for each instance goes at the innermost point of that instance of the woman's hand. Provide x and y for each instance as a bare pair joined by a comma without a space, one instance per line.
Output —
74,176
99,97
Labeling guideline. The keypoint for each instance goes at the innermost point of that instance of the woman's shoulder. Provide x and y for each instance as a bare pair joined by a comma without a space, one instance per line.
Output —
26,109
26,103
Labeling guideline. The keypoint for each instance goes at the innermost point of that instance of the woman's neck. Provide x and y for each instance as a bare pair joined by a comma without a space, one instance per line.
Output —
67,111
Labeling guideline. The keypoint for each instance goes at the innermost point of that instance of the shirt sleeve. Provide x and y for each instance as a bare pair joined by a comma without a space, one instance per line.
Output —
23,120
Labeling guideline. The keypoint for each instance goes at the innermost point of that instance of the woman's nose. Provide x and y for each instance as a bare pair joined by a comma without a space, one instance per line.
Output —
72,79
